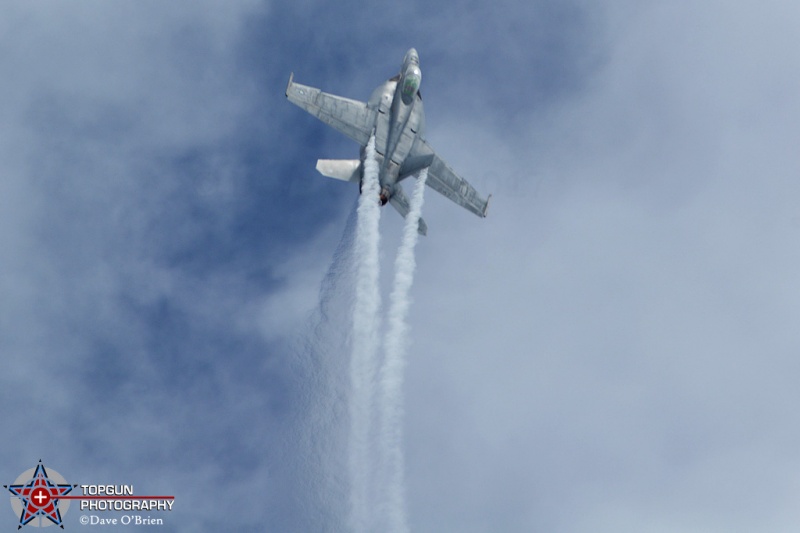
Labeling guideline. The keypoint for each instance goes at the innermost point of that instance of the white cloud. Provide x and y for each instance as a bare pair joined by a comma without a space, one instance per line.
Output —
612,349
612,346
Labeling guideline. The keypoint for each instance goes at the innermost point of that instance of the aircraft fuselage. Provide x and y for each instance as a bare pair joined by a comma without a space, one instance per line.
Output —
395,117
399,122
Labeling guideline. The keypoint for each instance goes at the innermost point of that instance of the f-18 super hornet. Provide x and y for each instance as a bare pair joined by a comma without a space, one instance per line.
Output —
394,114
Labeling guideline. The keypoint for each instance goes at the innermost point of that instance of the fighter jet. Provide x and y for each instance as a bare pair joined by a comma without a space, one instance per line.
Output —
394,114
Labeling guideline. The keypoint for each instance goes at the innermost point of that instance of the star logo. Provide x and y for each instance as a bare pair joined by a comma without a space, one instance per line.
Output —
37,496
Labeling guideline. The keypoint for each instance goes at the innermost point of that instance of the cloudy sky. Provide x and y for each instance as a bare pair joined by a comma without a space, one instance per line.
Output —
615,348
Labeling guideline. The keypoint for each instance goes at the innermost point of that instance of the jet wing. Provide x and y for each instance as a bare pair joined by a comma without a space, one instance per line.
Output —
446,182
350,117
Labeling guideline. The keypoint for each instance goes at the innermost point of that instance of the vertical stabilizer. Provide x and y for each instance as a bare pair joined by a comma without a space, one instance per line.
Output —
399,201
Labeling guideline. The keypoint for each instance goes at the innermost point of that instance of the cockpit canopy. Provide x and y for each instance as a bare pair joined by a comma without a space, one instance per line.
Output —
411,82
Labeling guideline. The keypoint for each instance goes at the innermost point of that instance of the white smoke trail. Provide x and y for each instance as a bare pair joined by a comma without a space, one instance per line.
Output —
315,454
366,322
393,507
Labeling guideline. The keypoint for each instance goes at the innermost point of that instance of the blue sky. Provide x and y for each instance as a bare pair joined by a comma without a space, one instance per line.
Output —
613,349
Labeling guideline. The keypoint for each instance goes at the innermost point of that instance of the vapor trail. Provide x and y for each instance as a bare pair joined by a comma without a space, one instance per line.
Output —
393,507
314,456
366,322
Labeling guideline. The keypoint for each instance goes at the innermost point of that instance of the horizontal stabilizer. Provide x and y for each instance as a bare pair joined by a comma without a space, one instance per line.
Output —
399,201
340,169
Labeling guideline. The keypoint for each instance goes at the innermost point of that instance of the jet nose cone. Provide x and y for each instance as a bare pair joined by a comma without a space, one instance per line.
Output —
411,55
